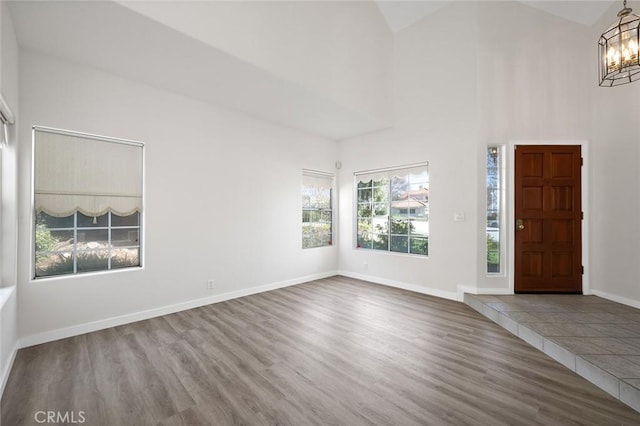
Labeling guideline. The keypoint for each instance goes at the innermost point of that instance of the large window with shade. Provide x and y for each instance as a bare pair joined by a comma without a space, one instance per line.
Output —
88,202
317,211
392,208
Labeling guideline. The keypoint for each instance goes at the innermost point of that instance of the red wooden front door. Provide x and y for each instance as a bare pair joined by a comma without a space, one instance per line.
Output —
548,213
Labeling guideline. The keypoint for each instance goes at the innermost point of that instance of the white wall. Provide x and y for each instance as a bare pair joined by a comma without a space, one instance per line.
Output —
615,153
507,73
435,105
9,88
8,256
222,198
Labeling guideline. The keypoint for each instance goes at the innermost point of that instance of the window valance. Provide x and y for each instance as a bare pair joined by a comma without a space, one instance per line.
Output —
417,171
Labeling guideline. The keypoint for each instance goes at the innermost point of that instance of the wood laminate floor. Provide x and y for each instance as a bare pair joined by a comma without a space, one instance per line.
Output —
333,351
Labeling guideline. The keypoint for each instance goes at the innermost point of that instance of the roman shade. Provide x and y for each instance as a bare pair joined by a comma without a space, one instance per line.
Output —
84,173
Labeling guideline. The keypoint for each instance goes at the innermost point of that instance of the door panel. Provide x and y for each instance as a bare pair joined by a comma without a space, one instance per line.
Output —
548,236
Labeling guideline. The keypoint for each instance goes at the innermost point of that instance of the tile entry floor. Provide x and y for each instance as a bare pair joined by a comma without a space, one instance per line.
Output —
597,338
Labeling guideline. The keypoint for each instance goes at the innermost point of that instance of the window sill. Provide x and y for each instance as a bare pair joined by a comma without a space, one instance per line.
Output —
85,274
392,253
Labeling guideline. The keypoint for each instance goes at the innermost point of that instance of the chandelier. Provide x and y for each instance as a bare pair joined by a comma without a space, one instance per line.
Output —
618,50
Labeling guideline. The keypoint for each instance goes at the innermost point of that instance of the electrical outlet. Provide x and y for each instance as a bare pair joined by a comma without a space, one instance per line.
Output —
365,267
210,284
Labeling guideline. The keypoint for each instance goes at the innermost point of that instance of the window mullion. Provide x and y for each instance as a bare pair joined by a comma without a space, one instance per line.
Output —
75,242
389,195
409,218
109,240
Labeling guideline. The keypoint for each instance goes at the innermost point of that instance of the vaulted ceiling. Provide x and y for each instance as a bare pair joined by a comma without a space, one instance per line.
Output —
324,67
273,60
402,14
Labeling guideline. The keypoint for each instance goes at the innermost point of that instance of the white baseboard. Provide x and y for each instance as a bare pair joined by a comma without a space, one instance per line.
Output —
615,298
398,284
6,370
62,333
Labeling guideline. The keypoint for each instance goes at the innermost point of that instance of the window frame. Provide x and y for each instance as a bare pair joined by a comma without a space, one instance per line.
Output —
389,233
330,177
76,229
142,214
500,189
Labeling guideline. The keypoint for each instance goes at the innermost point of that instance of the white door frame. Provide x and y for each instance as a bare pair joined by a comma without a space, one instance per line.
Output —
511,205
